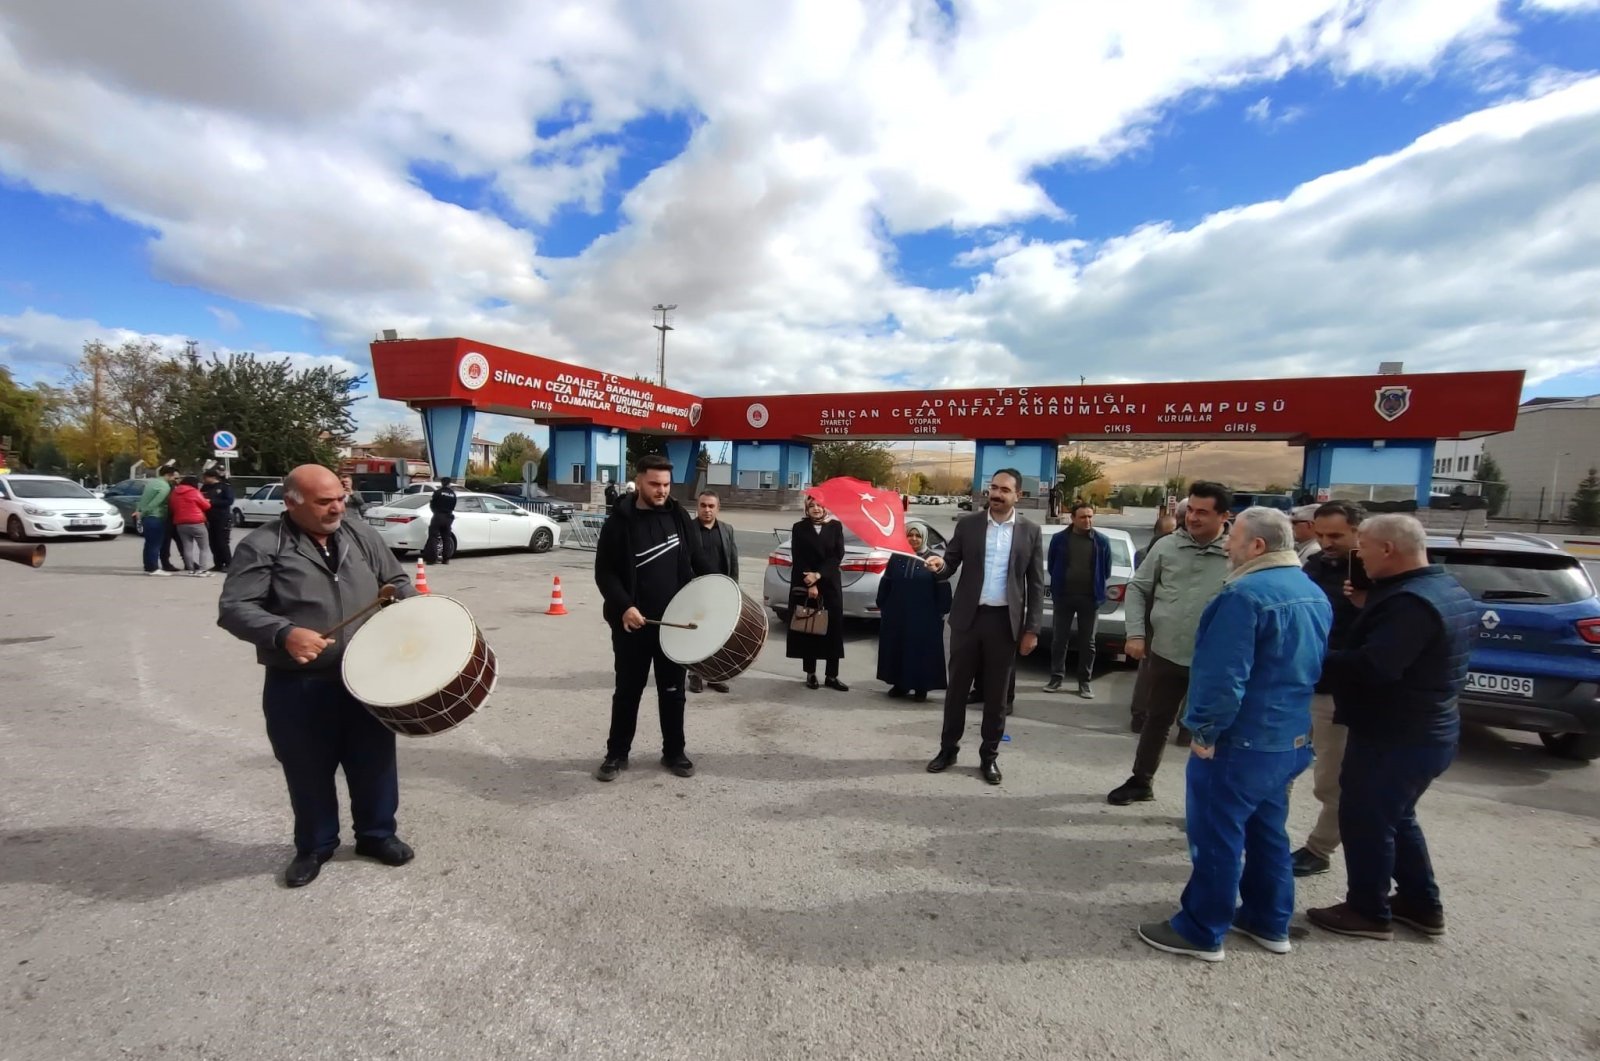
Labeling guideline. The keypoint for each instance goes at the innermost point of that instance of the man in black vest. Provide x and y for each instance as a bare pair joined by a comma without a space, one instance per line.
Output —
443,506
1395,686
720,553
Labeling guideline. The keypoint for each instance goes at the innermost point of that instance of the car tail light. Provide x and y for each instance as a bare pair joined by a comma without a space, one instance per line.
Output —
1116,593
1589,630
872,564
779,560
399,519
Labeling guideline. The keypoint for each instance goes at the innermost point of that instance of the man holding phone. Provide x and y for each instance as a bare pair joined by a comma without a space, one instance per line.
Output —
1337,563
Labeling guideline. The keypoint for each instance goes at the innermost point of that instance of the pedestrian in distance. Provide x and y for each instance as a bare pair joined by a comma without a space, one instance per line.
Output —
1079,563
441,542
155,515
995,613
1165,600
188,507
912,604
719,550
353,502
1258,654
1396,685
291,578
1304,520
219,517
646,553
816,548
1335,563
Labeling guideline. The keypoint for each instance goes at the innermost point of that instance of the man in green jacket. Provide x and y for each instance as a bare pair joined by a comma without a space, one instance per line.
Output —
154,512
1179,576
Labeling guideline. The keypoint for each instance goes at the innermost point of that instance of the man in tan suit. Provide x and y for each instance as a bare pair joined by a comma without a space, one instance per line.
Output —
996,613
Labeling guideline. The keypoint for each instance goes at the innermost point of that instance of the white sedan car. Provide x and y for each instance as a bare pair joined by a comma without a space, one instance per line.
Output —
483,521
49,506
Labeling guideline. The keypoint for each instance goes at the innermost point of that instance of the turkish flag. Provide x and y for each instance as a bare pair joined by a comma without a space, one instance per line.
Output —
875,516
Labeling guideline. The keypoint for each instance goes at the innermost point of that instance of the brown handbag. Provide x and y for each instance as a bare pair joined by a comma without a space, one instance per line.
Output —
809,620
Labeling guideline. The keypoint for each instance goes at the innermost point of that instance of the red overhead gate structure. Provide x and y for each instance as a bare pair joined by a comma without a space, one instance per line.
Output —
1365,437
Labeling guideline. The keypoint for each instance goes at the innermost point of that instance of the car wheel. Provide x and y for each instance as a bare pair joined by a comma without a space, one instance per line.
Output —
399,554
782,614
1584,747
542,540
238,519
14,530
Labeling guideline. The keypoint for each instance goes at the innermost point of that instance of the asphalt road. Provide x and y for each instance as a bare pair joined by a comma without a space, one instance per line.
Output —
812,893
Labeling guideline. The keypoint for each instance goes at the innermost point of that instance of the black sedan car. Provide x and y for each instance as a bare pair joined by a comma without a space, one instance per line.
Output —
536,498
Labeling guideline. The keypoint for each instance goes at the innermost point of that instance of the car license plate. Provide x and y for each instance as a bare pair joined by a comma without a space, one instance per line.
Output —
1504,684
377,522
83,523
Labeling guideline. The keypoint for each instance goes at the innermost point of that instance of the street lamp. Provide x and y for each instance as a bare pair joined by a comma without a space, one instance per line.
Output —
1555,474
664,327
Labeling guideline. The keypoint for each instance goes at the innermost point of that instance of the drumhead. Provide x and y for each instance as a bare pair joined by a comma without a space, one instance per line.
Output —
409,650
711,602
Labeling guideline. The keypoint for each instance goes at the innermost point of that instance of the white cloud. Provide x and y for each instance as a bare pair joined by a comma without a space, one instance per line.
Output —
226,319
275,166
1261,112
1562,5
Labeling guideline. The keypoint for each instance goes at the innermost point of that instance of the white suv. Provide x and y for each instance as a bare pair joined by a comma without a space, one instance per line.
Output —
49,506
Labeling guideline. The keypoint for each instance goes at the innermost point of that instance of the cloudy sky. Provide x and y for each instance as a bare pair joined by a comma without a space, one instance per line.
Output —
839,194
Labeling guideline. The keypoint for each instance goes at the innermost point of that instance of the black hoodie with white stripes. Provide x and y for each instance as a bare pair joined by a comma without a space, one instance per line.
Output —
644,556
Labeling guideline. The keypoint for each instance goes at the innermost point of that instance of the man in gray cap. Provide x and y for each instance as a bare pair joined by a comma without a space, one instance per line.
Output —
1304,519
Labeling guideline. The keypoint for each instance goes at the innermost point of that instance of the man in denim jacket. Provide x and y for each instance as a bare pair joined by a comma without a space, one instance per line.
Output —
1258,655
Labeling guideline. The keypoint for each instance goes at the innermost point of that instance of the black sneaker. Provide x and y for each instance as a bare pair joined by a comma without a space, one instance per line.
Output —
1132,790
678,764
610,769
695,683
1307,863
1428,921
1085,691
1053,685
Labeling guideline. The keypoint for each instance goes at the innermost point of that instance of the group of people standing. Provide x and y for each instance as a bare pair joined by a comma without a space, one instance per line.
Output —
193,512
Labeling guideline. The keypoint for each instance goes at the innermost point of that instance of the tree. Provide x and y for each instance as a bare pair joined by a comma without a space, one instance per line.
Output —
128,385
1494,485
870,462
395,441
640,444
23,412
283,416
1077,472
516,449
1584,510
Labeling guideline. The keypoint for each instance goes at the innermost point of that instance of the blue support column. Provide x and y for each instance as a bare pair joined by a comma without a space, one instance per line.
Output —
762,458
1034,458
1365,470
577,448
447,431
684,453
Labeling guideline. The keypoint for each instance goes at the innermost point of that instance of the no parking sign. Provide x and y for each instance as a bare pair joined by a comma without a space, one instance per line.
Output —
226,444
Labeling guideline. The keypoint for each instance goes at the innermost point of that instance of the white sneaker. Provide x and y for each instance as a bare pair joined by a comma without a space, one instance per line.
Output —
159,573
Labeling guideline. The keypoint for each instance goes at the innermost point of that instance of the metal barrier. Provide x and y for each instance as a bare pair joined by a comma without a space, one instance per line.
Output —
583,530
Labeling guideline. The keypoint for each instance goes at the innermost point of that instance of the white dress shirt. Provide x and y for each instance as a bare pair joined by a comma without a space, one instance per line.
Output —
997,560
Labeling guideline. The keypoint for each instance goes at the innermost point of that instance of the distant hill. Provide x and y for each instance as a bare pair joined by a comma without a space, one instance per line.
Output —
1241,465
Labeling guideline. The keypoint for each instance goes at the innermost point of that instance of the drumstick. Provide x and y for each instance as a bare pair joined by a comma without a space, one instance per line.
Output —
675,626
385,595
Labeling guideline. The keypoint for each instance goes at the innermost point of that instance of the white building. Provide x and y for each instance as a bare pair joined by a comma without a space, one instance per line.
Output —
1455,465
1555,443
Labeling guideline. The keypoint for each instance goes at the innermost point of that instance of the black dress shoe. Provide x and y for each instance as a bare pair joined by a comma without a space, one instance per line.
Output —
391,850
717,687
896,692
1132,790
836,685
811,682
610,768
304,869
919,697
943,761
678,764
991,771
696,684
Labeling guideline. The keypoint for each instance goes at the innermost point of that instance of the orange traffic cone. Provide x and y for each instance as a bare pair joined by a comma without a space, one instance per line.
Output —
556,605
422,577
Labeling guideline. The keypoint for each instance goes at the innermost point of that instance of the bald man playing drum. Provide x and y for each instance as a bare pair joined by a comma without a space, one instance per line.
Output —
307,572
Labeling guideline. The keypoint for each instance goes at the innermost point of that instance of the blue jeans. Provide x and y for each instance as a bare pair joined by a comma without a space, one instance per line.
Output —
154,529
1379,786
1237,811
315,727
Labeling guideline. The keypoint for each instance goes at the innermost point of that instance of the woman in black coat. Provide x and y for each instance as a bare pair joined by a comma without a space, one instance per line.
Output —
912,605
817,548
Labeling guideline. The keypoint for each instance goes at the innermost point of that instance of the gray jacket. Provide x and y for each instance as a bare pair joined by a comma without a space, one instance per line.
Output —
1024,573
1180,576
278,580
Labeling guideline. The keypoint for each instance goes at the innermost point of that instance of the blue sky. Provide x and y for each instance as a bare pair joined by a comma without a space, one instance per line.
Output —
838,200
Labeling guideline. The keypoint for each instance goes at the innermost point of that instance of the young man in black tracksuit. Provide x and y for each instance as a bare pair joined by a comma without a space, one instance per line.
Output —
648,550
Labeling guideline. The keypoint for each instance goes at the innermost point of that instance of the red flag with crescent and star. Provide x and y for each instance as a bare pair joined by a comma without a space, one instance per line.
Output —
875,516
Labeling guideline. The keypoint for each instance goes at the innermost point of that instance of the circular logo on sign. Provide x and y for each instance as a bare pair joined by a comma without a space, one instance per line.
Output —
756,414
473,371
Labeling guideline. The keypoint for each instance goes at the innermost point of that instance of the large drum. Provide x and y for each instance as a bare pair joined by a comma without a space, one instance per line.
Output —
420,666
730,628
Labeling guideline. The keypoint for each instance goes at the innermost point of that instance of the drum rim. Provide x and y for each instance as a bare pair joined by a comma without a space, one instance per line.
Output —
344,662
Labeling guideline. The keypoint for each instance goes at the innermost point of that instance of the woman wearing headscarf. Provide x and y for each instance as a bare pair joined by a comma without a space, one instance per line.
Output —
911,609
816,546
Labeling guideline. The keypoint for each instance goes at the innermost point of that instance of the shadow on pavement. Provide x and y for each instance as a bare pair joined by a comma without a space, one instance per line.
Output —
130,865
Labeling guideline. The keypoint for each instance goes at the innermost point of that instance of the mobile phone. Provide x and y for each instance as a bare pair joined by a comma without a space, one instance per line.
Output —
1357,573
